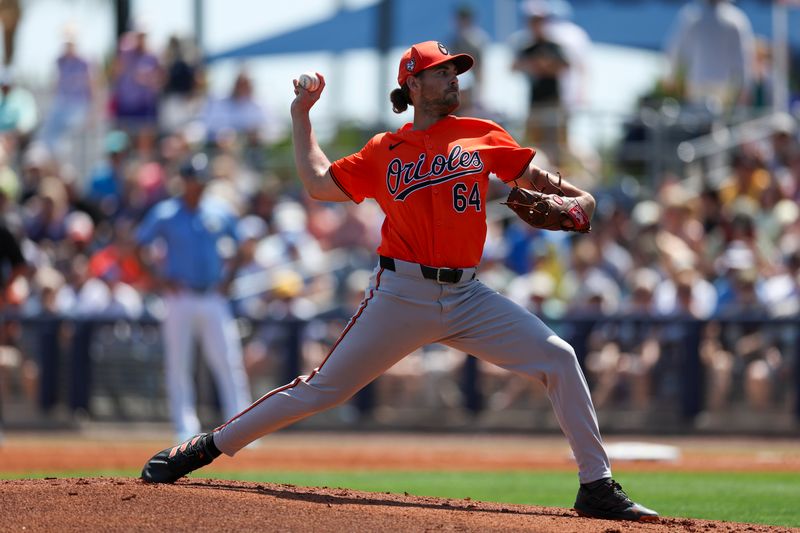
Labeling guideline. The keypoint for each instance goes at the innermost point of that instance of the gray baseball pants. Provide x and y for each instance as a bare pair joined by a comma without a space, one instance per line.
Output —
403,311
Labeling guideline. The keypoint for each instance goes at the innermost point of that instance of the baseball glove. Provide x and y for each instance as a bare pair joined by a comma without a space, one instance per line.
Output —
548,211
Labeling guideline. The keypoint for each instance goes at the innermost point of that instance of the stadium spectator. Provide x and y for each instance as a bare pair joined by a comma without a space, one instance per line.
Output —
19,113
10,14
252,276
552,18
783,148
684,291
586,286
72,100
678,216
346,227
782,291
234,181
13,267
711,54
623,354
749,179
180,97
469,38
762,85
239,112
10,184
543,61
290,242
106,185
278,328
44,213
574,83
118,262
748,352
137,78
536,292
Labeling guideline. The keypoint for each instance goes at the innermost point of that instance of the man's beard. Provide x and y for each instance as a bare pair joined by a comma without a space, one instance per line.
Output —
445,105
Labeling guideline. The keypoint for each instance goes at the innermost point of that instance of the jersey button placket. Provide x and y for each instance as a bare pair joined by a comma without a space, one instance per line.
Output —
434,203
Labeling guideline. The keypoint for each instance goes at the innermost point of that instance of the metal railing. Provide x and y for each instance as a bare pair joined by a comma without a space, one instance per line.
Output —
112,370
708,154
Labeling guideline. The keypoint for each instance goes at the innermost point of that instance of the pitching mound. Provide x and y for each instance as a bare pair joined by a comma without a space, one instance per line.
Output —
123,504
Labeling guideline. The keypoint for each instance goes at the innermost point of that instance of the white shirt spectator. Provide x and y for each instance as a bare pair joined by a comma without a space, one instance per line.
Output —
239,111
713,45
703,298
232,114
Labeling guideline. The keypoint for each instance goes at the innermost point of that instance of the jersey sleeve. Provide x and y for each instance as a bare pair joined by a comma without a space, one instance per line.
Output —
355,174
504,156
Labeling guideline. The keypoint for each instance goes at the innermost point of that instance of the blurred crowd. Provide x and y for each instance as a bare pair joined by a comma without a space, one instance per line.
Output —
728,250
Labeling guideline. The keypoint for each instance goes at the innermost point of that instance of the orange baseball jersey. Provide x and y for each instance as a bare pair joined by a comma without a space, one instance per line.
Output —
431,185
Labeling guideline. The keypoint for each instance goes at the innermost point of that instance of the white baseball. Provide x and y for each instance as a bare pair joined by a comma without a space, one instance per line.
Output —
308,81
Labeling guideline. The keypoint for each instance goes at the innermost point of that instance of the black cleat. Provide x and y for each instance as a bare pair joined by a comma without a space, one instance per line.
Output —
606,499
167,466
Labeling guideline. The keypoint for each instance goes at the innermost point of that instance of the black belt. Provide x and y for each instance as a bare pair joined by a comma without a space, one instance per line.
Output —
442,275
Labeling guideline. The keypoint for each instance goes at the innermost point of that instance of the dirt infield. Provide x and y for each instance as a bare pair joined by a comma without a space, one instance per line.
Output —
309,451
115,504
123,504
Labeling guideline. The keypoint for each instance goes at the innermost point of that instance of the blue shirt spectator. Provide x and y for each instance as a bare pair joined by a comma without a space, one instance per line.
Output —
105,187
195,240
192,238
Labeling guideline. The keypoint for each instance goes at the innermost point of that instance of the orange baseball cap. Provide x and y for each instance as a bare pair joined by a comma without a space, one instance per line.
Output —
425,55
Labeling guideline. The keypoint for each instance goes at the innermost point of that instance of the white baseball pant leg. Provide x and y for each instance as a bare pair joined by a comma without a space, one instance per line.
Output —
178,330
222,348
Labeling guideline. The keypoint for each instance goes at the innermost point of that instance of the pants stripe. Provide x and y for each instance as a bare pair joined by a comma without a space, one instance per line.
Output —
297,380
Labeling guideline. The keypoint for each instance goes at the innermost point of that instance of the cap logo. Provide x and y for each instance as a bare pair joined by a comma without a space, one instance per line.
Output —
443,49
410,64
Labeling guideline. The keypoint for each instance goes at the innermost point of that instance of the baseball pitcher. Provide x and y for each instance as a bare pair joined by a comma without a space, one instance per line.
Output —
430,178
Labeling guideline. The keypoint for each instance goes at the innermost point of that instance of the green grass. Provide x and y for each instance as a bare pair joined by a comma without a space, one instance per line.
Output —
761,498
